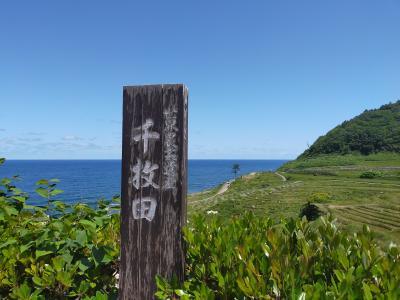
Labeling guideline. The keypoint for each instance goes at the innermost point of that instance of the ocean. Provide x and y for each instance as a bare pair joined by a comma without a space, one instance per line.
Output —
89,180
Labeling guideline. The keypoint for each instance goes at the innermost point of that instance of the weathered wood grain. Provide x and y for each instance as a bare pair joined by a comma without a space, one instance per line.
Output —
153,244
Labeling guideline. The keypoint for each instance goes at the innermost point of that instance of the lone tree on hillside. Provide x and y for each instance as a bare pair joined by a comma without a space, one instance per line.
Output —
310,211
235,169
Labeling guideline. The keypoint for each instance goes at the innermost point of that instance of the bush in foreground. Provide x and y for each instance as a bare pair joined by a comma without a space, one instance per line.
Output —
254,258
56,251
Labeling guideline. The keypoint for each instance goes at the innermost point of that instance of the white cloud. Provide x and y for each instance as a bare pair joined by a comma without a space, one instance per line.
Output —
72,138
231,152
29,139
35,133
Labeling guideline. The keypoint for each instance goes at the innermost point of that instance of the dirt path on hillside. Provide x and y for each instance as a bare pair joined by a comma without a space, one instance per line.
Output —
224,188
249,176
281,176
221,191
334,206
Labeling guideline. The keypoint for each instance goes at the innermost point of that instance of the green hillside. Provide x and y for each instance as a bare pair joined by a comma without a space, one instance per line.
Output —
353,173
372,131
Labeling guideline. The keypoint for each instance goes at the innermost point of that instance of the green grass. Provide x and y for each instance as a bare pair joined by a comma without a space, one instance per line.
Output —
331,182
374,160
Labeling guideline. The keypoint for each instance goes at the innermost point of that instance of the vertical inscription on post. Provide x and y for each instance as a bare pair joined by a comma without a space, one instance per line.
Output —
153,196
170,167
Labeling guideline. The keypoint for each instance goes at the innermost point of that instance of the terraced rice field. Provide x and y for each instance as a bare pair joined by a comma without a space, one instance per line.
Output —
337,190
383,219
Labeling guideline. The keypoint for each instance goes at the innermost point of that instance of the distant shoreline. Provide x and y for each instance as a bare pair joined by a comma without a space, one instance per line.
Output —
118,159
89,180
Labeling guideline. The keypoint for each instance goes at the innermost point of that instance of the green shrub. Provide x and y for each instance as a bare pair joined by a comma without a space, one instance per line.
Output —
370,174
57,251
310,211
254,258
320,197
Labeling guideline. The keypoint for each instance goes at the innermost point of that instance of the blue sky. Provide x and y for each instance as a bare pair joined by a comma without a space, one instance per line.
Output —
265,77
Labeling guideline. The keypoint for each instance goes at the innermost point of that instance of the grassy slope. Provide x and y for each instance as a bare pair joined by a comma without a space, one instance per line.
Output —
332,182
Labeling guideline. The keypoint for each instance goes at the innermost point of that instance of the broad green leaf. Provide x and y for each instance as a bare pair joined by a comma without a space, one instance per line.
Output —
58,263
5,181
100,296
16,191
10,241
100,220
42,182
65,278
67,257
100,255
19,198
56,192
9,210
42,192
59,205
23,292
25,247
367,291
89,225
81,237
40,253
84,264
84,286
38,281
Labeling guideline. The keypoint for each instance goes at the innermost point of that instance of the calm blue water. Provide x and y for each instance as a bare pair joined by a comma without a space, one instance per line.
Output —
89,180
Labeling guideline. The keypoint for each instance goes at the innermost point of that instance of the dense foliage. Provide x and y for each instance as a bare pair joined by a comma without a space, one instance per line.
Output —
56,251
373,131
59,251
254,258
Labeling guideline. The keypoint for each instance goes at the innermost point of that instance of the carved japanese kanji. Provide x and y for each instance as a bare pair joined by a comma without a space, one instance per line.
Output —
143,174
145,135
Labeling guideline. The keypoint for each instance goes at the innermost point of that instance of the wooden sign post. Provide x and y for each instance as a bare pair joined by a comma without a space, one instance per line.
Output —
154,187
